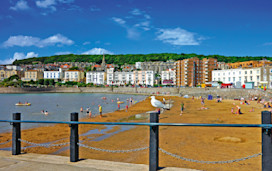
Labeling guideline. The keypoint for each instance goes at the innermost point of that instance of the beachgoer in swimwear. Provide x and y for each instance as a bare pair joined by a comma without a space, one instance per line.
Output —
81,109
100,110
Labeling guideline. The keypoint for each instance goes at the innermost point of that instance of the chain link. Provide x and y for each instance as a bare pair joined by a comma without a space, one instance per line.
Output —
209,162
112,151
5,142
44,145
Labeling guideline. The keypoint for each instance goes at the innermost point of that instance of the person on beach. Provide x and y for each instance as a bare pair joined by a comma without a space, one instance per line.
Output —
126,108
127,101
251,110
181,108
100,110
238,110
87,110
131,101
202,101
118,106
81,109
90,113
232,110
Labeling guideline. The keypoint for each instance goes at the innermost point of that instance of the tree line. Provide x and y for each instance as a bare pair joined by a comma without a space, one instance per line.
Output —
132,58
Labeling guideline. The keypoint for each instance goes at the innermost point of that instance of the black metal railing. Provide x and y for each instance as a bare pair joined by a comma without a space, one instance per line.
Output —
153,141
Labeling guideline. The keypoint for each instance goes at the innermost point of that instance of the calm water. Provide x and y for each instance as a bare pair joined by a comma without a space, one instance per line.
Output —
59,106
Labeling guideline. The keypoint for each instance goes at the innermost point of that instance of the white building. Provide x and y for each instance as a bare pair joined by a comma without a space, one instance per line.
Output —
241,75
138,65
168,77
146,78
119,78
53,74
95,77
13,67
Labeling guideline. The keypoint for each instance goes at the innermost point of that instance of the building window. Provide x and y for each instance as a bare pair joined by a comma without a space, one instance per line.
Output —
240,78
251,78
245,72
233,79
258,78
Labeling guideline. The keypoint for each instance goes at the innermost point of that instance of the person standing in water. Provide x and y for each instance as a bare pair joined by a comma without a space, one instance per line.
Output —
118,106
87,110
126,108
81,109
100,110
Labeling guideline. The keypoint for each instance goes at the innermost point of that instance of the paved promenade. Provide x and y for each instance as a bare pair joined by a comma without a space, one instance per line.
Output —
33,162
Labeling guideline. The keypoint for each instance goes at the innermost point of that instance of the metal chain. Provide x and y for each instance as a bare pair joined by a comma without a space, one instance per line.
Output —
112,151
209,162
5,142
44,145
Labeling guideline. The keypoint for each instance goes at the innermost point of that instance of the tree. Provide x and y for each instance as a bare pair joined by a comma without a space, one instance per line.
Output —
41,81
73,68
46,82
51,82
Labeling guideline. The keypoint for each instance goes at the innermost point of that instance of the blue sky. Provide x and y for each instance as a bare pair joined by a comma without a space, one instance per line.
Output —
36,28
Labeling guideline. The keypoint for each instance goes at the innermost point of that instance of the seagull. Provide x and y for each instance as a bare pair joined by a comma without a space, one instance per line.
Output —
156,103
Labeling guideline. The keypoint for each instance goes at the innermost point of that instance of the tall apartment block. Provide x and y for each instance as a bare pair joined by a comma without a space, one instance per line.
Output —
191,72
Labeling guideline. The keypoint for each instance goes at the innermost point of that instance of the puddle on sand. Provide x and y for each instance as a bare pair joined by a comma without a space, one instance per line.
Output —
99,131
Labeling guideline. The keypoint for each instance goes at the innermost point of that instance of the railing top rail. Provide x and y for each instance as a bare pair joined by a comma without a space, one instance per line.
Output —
268,126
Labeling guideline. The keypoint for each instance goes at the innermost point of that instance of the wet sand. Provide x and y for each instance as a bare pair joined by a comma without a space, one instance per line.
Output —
199,143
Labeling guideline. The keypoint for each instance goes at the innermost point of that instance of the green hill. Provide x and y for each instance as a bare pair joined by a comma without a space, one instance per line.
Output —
132,58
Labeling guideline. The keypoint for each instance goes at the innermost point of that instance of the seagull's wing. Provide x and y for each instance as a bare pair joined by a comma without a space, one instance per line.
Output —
157,103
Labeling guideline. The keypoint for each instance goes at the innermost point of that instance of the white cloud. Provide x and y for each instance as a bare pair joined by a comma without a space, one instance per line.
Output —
51,4
20,5
24,41
45,3
86,43
97,51
136,24
31,55
18,56
119,20
178,36
63,53
56,39
136,11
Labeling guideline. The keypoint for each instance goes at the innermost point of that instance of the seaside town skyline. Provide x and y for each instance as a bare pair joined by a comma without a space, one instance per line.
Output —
48,27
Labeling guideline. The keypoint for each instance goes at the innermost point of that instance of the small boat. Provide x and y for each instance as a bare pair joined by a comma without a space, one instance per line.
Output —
23,104
120,102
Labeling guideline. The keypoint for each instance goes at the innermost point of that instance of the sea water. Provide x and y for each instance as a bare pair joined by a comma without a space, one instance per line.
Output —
58,105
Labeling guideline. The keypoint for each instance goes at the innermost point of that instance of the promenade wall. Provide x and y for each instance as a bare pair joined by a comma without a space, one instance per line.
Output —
225,93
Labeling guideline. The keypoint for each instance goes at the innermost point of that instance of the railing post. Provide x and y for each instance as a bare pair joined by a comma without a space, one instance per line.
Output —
74,139
16,134
154,143
266,142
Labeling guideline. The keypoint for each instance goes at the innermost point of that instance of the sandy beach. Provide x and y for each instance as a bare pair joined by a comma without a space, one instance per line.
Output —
199,143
